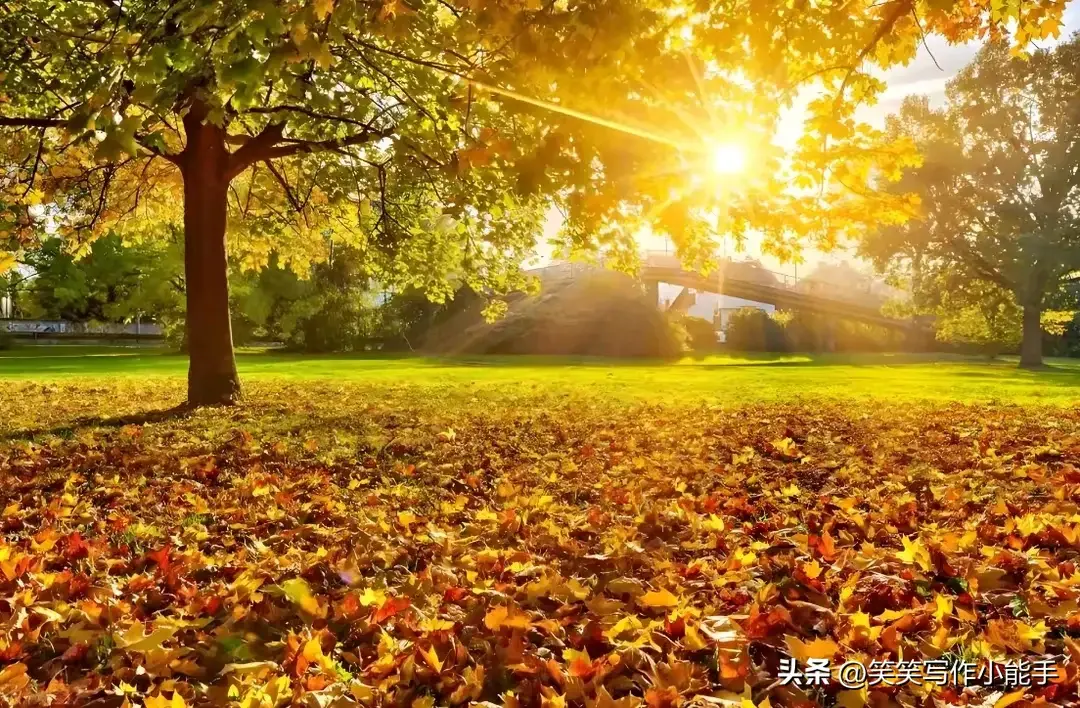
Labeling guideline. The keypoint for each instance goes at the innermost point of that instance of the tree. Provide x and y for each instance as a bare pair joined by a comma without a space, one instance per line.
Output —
112,282
434,134
1000,189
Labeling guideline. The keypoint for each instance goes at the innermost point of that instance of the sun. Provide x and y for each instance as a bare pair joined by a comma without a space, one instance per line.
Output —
728,159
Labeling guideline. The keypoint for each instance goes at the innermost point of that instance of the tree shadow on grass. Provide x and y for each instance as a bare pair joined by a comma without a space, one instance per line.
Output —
68,430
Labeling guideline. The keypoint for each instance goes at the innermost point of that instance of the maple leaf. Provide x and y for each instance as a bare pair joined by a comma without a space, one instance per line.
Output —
431,658
159,701
297,590
501,616
1009,698
134,639
393,8
821,648
658,599
13,679
915,553
323,8
391,607
75,547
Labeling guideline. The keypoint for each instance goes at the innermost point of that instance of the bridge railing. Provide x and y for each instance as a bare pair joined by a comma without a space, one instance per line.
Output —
744,270
753,271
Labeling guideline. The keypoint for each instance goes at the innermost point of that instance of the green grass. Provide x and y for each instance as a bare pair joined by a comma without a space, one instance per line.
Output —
715,379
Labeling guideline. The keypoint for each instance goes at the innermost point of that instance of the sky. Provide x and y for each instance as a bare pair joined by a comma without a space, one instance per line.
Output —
921,77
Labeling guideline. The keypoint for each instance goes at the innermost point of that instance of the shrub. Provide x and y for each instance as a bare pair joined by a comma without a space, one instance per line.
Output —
7,341
696,334
753,330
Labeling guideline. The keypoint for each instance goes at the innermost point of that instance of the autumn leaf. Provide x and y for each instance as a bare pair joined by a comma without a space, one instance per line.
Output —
915,553
159,701
502,616
1009,698
820,648
388,609
299,592
134,638
658,599
323,8
432,658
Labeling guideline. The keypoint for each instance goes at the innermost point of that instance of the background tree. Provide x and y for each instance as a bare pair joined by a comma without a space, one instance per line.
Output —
1000,189
112,282
398,127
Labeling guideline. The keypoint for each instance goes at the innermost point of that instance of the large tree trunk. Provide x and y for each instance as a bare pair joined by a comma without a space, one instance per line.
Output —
212,377
1031,343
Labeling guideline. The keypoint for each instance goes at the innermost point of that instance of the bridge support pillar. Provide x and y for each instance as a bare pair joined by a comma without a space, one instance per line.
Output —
683,302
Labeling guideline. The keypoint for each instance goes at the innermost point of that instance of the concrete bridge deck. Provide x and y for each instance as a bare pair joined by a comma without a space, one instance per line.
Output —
751,282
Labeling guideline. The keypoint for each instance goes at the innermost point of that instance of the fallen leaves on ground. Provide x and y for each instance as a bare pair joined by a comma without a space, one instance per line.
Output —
340,546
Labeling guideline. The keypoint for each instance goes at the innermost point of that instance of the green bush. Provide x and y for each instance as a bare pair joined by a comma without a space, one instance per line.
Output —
695,333
7,341
810,332
753,330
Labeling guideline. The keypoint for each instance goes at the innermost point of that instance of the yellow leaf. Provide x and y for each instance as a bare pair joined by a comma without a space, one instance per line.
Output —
852,699
392,8
323,8
915,553
159,701
432,658
13,679
134,639
714,523
297,590
370,597
817,649
692,639
812,569
1009,698
7,261
658,599
501,616
1032,633
944,607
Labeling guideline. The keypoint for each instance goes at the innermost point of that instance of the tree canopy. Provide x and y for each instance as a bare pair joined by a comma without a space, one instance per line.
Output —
1000,191
435,135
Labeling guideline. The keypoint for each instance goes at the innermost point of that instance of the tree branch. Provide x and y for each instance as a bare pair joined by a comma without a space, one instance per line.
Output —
303,110
902,8
31,122
966,253
285,186
255,149
296,147
141,140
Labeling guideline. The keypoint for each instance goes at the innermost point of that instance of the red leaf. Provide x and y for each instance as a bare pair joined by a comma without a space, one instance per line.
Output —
581,668
455,594
390,608
161,557
76,547
75,653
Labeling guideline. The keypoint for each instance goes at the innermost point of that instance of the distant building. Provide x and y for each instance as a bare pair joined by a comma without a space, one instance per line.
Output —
712,307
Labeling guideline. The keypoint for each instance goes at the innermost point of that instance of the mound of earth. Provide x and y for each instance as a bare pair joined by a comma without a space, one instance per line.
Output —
601,314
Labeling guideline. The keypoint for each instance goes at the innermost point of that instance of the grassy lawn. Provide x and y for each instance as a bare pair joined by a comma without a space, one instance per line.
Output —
533,533
724,379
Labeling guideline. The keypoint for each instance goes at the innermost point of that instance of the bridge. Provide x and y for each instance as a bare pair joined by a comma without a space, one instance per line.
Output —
749,281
